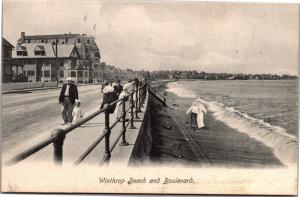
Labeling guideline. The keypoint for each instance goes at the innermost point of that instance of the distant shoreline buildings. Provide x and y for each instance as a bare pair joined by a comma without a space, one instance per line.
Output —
45,58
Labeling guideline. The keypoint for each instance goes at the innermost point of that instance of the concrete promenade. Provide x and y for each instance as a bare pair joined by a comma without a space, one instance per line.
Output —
77,141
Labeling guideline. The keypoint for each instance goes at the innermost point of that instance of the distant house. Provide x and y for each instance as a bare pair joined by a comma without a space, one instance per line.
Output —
7,72
77,56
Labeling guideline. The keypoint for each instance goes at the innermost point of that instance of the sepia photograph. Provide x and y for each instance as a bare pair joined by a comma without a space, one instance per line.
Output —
149,97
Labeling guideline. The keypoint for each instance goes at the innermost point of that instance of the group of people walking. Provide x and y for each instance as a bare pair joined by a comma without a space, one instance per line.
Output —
112,91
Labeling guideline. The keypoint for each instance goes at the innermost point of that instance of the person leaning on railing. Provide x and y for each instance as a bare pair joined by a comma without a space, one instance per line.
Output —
125,93
109,96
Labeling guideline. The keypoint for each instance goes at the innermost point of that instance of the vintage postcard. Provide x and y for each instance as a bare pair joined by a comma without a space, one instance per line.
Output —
149,97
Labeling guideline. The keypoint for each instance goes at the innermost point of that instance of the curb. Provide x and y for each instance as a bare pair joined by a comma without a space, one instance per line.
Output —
36,89
27,90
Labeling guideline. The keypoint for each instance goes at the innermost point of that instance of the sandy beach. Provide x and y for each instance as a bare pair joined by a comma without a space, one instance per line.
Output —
215,145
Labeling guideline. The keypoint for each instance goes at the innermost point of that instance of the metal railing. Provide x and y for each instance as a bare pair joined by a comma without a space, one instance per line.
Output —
58,135
156,94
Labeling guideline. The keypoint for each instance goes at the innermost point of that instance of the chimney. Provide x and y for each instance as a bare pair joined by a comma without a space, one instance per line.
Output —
22,37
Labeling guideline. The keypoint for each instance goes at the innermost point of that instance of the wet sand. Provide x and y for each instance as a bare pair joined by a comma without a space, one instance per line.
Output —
215,145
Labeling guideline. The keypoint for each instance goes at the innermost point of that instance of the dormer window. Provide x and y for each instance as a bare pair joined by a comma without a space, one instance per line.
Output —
39,51
22,51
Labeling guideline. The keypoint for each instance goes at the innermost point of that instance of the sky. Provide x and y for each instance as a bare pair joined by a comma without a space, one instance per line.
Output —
170,35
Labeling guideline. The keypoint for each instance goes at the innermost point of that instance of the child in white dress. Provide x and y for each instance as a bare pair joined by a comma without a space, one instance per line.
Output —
77,113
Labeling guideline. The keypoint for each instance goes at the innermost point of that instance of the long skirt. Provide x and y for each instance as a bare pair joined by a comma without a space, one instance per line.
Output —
119,111
200,122
194,120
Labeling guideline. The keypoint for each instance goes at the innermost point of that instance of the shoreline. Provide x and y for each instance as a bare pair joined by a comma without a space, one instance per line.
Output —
220,144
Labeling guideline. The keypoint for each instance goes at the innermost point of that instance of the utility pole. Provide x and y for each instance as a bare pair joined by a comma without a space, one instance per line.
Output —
56,63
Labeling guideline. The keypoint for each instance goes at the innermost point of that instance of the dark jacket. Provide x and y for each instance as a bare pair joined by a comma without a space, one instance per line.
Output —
73,93
118,89
109,98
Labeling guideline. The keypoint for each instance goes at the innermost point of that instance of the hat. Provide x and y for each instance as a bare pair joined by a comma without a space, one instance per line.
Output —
68,79
198,99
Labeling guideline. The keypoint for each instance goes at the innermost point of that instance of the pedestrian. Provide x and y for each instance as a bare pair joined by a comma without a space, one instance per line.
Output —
109,96
118,88
119,108
77,112
67,97
197,109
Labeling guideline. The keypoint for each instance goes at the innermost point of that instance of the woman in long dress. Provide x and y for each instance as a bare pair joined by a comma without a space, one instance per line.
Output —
197,111
119,111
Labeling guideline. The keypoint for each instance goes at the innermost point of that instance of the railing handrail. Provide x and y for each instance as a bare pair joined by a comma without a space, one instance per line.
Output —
62,132
162,98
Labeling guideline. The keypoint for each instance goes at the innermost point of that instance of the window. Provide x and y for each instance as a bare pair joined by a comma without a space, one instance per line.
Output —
30,73
61,73
67,40
61,64
80,73
86,74
88,41
40,53
46,73
21,53
73,73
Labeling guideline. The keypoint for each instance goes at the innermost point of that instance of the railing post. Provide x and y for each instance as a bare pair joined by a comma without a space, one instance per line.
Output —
58,145
131,112
107,135
140,98
123,143
136,103
144,93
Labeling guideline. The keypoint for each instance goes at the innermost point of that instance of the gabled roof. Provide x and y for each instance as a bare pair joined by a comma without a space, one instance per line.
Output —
21,48
5,42
64,50
39,48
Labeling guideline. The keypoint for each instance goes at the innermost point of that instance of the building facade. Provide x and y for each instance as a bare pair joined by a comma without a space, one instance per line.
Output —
55,57
7,72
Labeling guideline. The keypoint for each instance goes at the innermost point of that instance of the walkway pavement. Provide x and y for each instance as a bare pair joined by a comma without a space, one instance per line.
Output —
77,141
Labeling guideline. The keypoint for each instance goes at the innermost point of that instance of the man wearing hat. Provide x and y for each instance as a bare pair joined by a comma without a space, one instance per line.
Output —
67,97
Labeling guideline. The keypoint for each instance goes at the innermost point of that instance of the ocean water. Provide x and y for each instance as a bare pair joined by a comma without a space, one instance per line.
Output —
266,110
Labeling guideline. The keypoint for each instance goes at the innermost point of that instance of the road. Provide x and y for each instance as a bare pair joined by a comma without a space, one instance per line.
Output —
26,114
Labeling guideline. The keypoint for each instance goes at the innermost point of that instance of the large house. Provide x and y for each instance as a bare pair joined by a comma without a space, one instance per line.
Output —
7,72
55,57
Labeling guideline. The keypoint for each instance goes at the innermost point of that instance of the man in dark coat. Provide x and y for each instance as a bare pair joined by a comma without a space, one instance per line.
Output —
118,88
67,97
